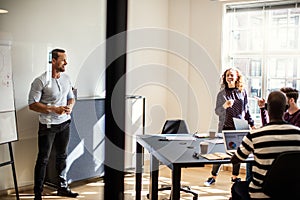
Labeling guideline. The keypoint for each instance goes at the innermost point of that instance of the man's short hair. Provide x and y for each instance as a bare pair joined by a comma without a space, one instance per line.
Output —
54,53
276,104
290,93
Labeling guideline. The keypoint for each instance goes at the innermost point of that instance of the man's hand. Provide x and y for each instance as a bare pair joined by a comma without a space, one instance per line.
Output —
260,102
61,110
68,109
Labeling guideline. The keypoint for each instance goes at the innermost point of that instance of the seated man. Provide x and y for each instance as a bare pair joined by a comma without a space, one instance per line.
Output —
292,114
265,143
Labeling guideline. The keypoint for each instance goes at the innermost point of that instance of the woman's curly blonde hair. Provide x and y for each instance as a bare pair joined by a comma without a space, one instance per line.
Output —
239,82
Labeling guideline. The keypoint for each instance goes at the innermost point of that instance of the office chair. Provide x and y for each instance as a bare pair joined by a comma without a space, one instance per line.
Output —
283,178
174,127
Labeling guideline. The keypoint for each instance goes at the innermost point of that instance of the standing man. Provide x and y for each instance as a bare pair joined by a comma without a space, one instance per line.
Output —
53,99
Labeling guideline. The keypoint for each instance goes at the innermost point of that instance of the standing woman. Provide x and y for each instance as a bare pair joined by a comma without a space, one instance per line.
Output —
232,101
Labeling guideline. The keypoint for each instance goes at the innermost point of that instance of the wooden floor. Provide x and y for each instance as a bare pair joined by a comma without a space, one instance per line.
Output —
193,177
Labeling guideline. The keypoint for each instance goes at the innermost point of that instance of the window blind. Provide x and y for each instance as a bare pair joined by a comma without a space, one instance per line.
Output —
255,6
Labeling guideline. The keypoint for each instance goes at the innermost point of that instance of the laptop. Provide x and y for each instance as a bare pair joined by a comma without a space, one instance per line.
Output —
240,124
233,139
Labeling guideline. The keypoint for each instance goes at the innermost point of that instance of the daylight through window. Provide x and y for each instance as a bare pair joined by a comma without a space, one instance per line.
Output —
263,41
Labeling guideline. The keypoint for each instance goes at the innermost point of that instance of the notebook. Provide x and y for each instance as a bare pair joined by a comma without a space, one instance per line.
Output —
240,124
233,139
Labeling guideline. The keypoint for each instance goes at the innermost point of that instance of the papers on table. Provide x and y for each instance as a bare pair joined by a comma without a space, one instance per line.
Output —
206,135
215,141
190,137
180,137
216,156
202,135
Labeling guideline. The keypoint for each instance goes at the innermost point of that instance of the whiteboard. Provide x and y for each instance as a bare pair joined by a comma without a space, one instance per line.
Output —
6,84
8,130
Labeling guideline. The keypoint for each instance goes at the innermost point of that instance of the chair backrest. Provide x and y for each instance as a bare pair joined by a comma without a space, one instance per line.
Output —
283,178
175,126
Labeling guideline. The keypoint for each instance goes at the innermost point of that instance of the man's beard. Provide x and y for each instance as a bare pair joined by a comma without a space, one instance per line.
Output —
61,69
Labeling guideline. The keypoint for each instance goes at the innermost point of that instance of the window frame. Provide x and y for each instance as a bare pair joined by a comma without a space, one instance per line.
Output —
230,55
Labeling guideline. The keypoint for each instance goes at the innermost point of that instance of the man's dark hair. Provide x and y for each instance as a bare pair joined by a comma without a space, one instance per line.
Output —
276,105
55,52
290,93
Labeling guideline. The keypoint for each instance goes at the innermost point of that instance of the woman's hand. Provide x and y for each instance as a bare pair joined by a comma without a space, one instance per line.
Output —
228,103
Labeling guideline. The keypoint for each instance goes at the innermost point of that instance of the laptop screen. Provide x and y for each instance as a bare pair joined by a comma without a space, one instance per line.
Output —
240,124
233,138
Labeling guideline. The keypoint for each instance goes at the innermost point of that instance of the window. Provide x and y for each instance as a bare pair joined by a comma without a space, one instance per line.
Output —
263,41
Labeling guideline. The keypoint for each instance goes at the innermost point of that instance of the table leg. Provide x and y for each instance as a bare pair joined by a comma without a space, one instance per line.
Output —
154,167
176,176
138,171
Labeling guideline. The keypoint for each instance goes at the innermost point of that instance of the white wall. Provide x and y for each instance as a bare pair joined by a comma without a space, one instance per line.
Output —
187,81
205,29
173,60
33,28
147,57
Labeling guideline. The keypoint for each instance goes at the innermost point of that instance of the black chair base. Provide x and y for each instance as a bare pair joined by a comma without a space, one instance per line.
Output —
185,189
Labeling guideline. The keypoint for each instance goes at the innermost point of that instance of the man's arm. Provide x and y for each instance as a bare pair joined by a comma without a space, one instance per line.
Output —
42,108
261,102
70,105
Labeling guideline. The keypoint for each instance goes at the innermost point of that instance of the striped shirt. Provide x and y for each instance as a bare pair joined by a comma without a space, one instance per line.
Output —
266,144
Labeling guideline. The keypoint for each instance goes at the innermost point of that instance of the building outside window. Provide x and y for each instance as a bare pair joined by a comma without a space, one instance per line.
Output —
263,41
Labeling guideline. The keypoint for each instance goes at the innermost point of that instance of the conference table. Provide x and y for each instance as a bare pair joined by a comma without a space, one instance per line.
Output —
175,151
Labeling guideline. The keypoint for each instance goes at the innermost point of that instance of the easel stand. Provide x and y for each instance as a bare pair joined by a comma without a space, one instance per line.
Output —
12,163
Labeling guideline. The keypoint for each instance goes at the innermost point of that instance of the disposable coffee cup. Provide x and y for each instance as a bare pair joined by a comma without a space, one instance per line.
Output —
203,147
212,134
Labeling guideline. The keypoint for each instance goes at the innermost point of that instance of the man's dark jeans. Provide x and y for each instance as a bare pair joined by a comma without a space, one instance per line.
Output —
57,135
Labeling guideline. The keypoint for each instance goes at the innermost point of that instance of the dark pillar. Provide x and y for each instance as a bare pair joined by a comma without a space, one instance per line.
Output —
115,99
